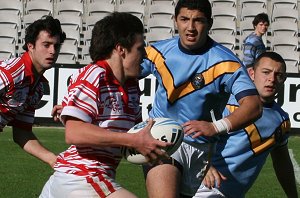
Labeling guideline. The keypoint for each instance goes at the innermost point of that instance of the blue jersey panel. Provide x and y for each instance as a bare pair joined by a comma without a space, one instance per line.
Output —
190,84
241,155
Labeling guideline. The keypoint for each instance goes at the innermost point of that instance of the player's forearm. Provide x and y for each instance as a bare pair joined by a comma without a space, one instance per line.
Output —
250,109
34,148
285,171
286,178
87,134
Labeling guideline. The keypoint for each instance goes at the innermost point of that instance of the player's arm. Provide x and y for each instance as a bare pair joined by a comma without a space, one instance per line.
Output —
250,109
56,111
213,178
78,132
284,170
29,142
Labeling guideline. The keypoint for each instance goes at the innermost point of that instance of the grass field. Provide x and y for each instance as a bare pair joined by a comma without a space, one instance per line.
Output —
23,176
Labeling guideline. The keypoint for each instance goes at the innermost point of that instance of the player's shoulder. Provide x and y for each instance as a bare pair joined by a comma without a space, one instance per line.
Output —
220,53
164,44
89,73
279,109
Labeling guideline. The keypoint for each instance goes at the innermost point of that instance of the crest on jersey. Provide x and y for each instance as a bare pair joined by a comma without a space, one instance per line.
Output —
198,81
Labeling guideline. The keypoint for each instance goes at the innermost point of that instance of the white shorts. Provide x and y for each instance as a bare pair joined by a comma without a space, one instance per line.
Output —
72,186
204,192
195,160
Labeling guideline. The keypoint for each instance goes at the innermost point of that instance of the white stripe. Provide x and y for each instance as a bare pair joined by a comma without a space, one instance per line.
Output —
296,166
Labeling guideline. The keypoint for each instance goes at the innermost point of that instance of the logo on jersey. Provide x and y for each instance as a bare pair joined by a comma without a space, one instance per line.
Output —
198,81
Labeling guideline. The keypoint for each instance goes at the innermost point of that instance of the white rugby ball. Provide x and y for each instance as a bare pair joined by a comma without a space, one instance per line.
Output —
164,129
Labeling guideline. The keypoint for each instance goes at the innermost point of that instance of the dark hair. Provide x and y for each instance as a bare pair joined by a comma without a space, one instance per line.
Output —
261,17
201,5
116,28
46,23
272,55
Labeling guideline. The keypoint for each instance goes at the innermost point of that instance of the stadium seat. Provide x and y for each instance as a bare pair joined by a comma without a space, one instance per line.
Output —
284,43
161,24
67,7
161,10
285,14
253,3
223,25
172,2
107,1
291,59
225,39
10,20
231,3
69,20
42,7
290,4
284,28
72,36
249,12
68,54
30,18
80,1
7,50
142,2
222,12
91,20
9,34
135,9
152,37
100,9
85,55
87,36
246,25
11,6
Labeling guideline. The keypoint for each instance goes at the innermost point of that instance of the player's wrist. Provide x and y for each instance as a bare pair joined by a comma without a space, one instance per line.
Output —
222,126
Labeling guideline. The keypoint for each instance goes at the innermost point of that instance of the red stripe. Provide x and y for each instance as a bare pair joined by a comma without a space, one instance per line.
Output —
108,184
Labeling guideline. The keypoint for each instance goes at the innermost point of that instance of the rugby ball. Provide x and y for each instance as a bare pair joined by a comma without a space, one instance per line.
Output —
164,129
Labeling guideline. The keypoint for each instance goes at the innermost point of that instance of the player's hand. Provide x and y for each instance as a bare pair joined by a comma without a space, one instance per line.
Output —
213,178
56,111
148,146
198,128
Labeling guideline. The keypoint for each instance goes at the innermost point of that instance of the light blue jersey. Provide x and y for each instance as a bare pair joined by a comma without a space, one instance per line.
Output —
241,155
252,48
190,84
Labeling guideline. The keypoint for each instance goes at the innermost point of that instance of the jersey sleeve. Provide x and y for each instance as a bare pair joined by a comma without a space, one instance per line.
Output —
240,85
81,100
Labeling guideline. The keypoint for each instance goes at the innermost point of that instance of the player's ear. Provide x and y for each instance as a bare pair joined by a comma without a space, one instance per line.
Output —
120,49
251,72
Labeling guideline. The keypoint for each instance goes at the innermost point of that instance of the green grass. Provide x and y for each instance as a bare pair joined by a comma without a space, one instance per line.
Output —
23,176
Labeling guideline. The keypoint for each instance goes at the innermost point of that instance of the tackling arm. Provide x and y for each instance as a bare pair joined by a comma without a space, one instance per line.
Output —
284,170
250,110
29,142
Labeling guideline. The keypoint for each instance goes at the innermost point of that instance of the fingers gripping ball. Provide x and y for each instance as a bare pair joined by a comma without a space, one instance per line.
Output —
164,129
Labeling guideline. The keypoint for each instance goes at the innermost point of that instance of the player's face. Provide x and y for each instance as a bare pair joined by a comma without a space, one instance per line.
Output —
45,51
268,77
261,28
193,28
134,58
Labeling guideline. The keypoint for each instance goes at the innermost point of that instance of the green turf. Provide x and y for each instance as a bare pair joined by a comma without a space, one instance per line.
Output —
23,176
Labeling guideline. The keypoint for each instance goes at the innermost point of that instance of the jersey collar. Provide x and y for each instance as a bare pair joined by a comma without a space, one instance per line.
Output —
29,69
205,48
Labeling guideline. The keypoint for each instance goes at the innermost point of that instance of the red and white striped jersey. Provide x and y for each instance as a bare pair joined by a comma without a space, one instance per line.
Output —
20,92
95,96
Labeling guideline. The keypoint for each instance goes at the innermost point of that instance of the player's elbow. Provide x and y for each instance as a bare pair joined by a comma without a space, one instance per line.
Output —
69,139
21,136
257,109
